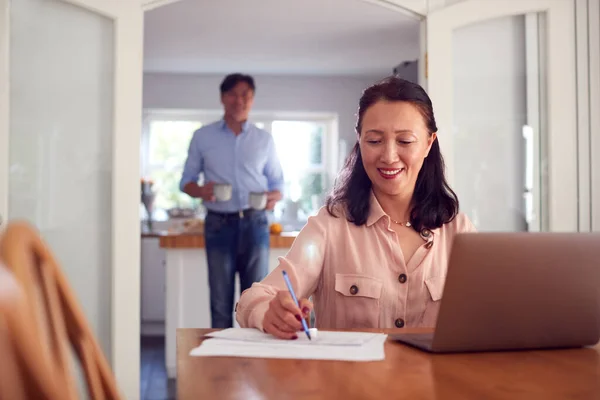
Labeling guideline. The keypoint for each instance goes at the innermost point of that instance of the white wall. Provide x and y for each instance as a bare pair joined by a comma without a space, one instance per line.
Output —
408,70
338,95
490,110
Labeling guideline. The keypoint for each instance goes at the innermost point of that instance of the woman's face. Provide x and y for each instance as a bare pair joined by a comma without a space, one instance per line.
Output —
394,143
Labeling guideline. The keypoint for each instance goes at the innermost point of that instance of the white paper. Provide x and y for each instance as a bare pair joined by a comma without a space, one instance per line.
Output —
342,346
323,337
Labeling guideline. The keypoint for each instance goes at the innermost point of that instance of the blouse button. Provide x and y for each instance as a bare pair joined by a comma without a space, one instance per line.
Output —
399,323
402,278
425,233
353,289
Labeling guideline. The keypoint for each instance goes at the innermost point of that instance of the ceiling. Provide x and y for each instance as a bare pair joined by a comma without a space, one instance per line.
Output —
279,37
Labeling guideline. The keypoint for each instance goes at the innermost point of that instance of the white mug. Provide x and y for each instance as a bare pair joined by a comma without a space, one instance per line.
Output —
258,200
222,191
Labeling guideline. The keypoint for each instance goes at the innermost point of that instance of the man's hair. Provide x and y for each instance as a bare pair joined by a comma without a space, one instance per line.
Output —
233,79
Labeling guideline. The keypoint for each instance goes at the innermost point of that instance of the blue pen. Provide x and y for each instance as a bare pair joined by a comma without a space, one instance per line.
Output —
289,285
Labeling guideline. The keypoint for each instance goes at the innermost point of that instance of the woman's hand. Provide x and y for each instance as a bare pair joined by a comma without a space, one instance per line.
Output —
283,319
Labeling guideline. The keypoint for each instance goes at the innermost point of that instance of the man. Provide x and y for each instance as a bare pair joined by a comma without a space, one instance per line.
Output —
235,152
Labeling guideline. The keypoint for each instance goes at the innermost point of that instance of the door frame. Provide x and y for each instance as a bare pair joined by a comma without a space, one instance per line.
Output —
128,22
4,106
592,90
127,18
561,201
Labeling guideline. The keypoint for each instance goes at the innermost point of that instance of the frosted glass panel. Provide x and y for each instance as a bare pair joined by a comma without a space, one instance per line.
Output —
496,128
61,142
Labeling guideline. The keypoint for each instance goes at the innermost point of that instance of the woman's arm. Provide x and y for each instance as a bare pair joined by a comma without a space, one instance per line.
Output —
303,263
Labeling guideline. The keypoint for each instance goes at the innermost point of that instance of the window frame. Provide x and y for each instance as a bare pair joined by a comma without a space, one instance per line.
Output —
330,150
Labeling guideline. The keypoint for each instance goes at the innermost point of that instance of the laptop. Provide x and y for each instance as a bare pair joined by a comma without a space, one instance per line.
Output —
517,291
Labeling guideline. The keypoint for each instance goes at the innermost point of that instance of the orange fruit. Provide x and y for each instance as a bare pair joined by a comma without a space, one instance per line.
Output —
276,228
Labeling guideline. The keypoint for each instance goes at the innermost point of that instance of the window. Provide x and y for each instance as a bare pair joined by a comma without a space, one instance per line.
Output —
306,145
299,145
167,152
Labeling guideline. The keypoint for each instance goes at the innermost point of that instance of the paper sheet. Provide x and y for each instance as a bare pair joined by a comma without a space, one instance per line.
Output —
343,346
323,338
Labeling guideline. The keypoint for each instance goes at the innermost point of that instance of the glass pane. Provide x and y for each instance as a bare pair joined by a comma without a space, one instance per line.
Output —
299,144
61,121
300,148
311,185
169,140
497,137
303,198
168,147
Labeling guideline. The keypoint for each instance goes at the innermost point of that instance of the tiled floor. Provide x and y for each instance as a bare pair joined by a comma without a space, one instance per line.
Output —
154,382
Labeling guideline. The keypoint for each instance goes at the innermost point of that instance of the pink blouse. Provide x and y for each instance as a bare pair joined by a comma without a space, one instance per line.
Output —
357,275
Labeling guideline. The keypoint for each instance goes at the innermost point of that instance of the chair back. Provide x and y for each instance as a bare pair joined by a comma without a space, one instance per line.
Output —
43,326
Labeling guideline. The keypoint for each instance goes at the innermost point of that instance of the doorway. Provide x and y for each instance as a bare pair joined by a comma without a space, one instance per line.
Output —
310,70
119,321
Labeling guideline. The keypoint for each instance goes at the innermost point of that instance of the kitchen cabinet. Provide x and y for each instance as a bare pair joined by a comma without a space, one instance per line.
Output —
188,292
153,290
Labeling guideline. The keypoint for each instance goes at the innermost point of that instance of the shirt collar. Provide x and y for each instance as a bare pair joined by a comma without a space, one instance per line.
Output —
376,213
245,125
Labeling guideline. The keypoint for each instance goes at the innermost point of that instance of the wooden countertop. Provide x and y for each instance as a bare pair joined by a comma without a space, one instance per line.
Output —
171,240
406,373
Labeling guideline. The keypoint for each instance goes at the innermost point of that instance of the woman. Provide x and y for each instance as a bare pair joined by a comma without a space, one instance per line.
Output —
376,256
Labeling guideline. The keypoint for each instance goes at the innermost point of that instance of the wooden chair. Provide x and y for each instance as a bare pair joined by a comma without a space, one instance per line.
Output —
39,321
11,384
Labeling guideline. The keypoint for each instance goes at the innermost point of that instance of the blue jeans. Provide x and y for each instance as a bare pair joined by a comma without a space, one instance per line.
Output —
234,244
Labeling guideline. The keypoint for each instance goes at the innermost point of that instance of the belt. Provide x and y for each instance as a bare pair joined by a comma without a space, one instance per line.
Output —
237,214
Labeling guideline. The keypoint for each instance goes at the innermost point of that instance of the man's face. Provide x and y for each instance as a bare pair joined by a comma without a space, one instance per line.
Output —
238,102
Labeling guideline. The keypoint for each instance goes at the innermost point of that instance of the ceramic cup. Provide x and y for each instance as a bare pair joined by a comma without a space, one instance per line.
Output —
222,191
258,201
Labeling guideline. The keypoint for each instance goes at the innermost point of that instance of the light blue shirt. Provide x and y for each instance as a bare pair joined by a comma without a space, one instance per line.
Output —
247,161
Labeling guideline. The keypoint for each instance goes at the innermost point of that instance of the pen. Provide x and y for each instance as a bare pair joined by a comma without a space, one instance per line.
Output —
289,285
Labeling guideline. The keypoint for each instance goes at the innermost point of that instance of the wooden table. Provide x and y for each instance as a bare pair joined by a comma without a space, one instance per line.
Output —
406,373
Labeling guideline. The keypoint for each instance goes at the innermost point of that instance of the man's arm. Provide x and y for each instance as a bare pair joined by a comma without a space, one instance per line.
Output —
194,165
204,192
272,198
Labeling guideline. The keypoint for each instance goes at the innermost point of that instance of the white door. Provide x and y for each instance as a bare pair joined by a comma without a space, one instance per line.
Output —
501,75
70,123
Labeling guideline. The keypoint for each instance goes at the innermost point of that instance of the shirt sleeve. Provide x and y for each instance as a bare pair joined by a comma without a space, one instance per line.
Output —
303,263
194,164
273,170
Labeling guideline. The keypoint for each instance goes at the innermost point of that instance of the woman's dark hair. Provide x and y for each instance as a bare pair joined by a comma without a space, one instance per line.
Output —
231,80
434,203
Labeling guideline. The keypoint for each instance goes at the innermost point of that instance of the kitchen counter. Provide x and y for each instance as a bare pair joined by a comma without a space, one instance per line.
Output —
154,234
189,240
186,281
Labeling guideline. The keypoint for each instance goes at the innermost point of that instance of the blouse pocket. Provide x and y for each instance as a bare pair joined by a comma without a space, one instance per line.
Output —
358,299
435,288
